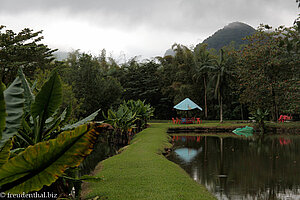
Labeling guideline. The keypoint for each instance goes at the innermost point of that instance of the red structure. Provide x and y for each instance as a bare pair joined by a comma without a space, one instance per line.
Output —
283,118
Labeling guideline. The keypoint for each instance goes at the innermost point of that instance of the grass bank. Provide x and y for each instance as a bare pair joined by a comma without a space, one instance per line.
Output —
232,123
142,172
292,127
212,124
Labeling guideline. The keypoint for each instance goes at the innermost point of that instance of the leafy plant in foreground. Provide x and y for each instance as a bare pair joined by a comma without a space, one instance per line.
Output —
42,120
30,123
43,163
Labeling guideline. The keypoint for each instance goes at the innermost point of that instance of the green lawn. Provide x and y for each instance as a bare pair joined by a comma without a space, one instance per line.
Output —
292,124
235,123
142,172
213,124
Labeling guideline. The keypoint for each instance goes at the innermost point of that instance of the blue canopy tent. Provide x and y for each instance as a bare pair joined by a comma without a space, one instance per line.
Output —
187,104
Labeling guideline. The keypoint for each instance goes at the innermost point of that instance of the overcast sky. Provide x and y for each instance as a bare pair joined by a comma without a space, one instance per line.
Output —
137,27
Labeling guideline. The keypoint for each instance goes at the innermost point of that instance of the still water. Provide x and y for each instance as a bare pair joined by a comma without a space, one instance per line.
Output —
242,168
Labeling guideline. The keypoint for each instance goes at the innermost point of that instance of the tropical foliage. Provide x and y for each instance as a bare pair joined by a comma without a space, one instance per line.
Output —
142,111
228,84
260,117
268,72
130,114
12,110
202,58
91,81
36,147
220,74
39,145
68,96
142,81
22,49
42,163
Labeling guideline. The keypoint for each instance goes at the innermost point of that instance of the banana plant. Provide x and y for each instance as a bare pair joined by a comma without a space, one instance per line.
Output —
260,116
128,115
122,120
143,111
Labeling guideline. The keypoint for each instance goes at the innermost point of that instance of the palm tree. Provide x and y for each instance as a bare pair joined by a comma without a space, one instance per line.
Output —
220,72
202,58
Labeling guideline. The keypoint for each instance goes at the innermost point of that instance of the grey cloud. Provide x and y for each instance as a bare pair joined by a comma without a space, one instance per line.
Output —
178,15
174,18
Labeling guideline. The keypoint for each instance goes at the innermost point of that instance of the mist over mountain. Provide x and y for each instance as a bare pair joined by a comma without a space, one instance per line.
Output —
61,55
233,32
169,52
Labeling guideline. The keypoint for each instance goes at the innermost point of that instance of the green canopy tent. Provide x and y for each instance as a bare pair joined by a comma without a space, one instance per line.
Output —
246,131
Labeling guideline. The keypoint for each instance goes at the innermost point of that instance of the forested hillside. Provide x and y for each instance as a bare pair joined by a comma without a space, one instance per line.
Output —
235,32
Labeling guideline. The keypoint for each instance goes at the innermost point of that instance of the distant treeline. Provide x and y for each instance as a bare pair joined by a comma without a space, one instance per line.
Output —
228,85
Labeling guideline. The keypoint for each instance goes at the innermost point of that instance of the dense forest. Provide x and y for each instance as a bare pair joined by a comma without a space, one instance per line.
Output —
229,82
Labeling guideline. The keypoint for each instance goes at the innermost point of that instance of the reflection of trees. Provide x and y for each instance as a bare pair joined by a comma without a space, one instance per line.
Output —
259,168
265,166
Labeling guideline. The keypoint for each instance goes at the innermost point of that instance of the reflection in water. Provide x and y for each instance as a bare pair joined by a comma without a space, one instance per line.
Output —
242,168
187,154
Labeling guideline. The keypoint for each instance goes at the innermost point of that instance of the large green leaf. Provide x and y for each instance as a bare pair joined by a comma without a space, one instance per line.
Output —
46,103
2,109
48,99
49,132
83,121
14,101
43,163
5,152
25,132
28,96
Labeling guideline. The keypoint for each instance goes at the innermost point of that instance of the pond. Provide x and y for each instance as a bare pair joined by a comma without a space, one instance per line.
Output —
242,168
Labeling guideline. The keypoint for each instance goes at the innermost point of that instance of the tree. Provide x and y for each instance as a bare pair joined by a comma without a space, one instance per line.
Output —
177,75
142,81
91,82
220,73
202,58
179,72
22,49
268,71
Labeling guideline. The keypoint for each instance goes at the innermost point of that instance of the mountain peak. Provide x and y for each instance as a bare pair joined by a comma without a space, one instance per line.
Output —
233,32
236,25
